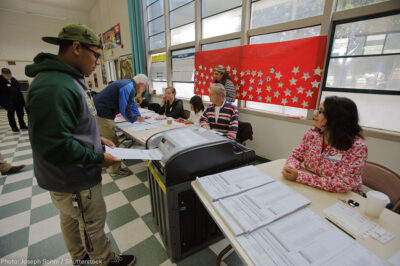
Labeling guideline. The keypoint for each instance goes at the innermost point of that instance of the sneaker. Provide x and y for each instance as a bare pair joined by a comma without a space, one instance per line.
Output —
123,260
24,127
15,129
121,173
14,169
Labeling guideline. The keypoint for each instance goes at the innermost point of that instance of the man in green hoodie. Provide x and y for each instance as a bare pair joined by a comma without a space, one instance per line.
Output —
66,144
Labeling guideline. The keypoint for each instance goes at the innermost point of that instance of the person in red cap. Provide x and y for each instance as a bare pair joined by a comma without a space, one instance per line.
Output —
67,149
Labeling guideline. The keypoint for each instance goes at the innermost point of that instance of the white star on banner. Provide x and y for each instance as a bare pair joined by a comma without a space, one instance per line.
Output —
237,95
294,99
315,84
258,90
228,68
242,74
250,88
242,82
259,98
202,75
195,80
268,99
288,92
284,101
202,91
197,72
269,88
200,67
204,82
260,82
205,68
251,97
309,93
211,70
247,72
237,87
305,76
278,75
199,82
317,71
280,84
251,81
244,93
259,74
293,81
276,94
272,70
206,76
236,78
234,71
304,104
253,73
295,70
211,83
197,89
300,89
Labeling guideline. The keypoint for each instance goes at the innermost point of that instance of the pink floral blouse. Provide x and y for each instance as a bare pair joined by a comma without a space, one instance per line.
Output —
335,170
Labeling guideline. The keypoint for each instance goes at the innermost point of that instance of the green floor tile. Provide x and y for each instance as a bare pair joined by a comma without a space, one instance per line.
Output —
132,162
149,252
233,259
15,208
14,241
114,246
49,248
2,180
149,221
109,189
27,168
7,156
136,192
37,190
22,157
43,212
23,141
17,185
8,147
24,148
142,176
121,216
202,257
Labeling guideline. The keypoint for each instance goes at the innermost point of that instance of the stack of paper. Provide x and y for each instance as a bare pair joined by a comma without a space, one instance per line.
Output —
135,154
304,238
260,206
232,182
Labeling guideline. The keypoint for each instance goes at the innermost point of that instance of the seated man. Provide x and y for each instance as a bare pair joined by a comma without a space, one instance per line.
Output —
221,116
118,97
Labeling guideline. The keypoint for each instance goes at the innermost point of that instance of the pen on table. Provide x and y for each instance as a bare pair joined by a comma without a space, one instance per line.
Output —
332,222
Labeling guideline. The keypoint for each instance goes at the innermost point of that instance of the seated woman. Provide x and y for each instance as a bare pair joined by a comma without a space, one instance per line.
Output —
333,150
196,104
170,106
222,76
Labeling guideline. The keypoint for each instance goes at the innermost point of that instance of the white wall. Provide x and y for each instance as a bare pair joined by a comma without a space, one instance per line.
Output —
23,23
104,15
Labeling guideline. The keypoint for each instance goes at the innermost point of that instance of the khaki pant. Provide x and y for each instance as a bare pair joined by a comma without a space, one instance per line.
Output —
72,224
4,166
107,130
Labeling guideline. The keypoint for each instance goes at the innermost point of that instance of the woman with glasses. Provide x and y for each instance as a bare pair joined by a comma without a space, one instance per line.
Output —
333,152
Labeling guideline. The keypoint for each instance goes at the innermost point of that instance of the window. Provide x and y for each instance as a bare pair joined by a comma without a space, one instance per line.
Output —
364,65
155,24
221,45
159,87
182,22
349,4
183,72
271,12
112,71
224,23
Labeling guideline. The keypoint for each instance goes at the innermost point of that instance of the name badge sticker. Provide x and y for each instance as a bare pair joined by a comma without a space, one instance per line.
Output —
335,158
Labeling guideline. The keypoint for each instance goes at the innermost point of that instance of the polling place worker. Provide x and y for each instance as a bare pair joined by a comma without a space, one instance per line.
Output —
333,151
12,100
220,115
116,98
170,105
222,76
66,144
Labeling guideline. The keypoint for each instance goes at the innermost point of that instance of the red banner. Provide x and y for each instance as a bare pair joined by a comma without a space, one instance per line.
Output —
284,73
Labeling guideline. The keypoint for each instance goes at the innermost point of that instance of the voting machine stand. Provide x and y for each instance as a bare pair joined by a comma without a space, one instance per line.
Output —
184,224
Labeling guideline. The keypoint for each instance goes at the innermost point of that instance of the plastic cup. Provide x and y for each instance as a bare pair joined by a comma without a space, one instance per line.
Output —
376,202
169,121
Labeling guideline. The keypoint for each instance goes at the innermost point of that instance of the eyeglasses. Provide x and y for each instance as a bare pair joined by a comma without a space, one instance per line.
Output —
96,54
319,112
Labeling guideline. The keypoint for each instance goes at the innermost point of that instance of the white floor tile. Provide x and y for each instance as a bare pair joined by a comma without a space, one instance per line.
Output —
168,262
24,152
24,144
26,162
18,255
131,234
8,151
19,177
106,178
44,229
4,144
115,200
14,223
158,237
142,205
146,183
40,200
219,246
127,182
137,168
62,260
14,196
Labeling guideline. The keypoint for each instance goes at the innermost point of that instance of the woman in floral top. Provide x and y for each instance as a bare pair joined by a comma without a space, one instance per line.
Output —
333,150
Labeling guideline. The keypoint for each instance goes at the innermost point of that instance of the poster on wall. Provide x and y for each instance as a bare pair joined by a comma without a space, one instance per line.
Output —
112,37
103,73
96,84
126,66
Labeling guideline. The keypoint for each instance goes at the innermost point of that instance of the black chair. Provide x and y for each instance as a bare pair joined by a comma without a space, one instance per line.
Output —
245,132
187,114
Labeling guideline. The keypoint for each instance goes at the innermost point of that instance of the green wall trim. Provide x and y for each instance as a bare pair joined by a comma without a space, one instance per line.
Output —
136,33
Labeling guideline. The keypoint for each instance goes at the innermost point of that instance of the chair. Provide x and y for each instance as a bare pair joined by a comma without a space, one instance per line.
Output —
383,179
187,114
245,132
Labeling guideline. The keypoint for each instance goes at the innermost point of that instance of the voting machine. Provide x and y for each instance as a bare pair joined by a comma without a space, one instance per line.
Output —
183,223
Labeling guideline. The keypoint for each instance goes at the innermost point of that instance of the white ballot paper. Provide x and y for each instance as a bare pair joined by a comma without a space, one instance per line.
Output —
138,154
260,206
232,182
304,238
119,119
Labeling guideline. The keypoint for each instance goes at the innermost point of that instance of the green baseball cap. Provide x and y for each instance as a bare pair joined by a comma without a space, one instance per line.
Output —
75,32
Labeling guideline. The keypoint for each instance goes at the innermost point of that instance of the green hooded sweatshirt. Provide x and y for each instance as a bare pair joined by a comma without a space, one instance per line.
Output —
63,128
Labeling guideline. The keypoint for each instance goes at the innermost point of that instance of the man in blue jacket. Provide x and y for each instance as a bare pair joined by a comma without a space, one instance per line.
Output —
118,97
11,99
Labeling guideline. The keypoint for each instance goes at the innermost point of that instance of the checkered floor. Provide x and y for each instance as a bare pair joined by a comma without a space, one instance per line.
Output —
29,222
